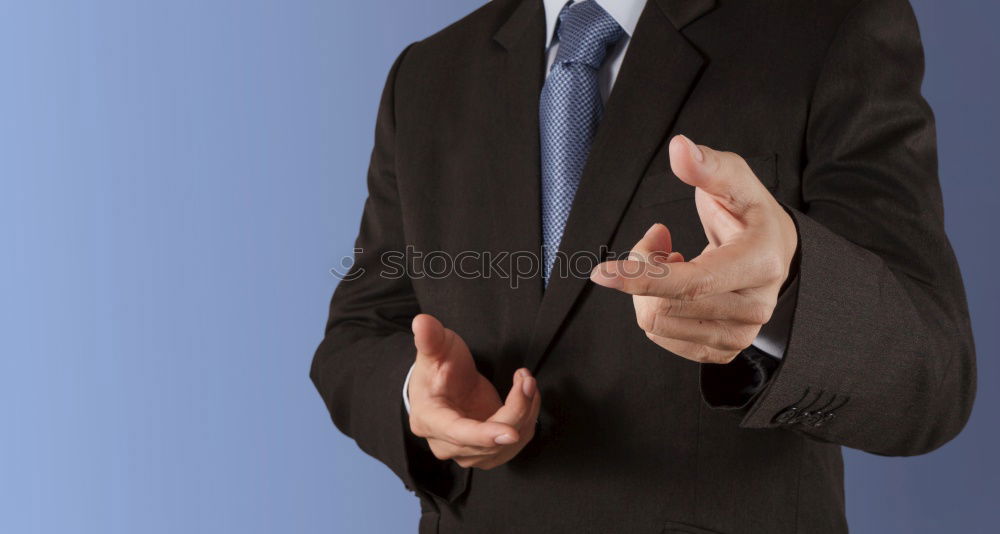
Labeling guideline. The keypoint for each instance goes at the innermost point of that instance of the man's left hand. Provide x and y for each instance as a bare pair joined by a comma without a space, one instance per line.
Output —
712,307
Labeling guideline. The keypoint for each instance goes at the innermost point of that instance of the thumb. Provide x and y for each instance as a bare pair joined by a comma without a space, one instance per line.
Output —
725,176
430,337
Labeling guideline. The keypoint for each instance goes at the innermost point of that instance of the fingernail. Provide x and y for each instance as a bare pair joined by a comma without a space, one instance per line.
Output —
602,277
504,439
660,257
650,230
523,373
696,152
528,386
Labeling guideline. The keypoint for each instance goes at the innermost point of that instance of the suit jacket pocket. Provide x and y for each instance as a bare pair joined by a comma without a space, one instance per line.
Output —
682,528
662,187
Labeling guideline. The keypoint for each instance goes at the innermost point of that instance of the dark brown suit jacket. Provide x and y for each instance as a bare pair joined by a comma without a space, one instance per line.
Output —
823,98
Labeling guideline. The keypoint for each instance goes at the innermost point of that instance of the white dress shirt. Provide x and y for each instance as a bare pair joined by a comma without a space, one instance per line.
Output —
773,337
626,14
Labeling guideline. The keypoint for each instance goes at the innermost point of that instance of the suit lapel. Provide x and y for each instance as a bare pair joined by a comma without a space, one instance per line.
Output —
515,185
659,69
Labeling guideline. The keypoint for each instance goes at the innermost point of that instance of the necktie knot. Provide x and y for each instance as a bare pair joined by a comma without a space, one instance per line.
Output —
586,32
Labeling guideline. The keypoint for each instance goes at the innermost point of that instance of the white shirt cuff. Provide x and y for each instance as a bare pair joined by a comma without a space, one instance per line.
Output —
406,389
773,336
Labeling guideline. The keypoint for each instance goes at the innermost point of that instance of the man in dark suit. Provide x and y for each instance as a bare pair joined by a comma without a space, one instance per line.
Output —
787,292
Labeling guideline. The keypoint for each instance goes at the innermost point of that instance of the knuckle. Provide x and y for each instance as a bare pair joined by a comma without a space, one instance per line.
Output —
667,307
746,337
519,415
760,314
696,288
735,338
738,203
646,318
773,267
417,426
727,356
726,340
465,462
658,326
689,292
441,453
700,353
707,354
638,283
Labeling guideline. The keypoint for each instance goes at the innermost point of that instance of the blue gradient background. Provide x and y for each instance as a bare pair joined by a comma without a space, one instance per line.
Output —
178,176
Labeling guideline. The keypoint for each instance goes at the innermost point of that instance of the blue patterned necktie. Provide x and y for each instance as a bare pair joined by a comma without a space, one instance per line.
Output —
569,111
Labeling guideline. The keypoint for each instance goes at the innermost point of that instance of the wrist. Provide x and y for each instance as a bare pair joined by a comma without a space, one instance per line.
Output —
791,242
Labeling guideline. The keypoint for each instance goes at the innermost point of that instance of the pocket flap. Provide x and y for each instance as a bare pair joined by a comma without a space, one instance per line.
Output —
683,528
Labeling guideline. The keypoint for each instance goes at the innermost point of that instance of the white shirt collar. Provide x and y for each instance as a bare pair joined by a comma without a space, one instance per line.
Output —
625,12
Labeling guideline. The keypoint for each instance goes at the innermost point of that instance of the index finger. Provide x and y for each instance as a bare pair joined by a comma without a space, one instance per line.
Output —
720,270
467,432
440,421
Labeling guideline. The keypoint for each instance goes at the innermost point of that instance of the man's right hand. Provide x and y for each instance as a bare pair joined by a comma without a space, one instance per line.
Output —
458,410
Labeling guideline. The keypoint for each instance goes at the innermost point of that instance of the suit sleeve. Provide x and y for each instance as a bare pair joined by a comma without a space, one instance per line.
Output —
362,362
880,355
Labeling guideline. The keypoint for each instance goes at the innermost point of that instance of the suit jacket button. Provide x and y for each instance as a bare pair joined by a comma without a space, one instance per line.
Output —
824,420
810,418
788,416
